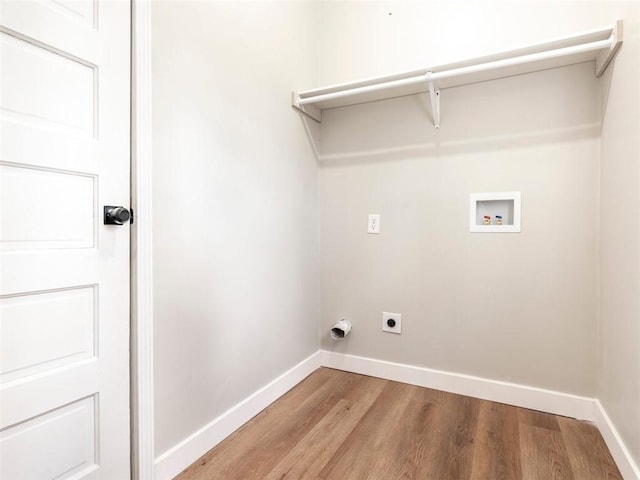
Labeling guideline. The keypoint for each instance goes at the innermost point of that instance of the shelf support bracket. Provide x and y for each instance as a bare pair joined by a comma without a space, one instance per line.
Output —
309,111
604,59
434,93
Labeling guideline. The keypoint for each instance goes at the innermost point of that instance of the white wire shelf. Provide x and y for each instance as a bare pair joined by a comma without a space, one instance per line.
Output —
599,45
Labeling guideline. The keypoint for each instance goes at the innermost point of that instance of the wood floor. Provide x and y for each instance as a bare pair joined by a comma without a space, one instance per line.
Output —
338,425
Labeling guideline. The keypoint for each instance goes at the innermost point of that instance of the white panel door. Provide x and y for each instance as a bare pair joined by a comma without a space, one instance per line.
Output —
64,285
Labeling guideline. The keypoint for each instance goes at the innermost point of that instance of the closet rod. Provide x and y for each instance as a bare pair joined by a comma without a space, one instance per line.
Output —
560,52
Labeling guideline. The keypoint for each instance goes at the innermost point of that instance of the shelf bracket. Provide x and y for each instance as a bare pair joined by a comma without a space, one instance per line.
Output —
434,93
309,111
604,59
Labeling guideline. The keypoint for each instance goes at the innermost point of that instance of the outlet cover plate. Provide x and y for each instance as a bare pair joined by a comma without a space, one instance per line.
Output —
373,225
395,316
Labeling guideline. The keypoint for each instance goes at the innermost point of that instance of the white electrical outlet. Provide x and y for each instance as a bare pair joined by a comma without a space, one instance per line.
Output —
374,223
391,322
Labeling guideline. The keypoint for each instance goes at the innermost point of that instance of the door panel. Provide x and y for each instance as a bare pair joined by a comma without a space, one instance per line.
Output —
45,330
82,11
72,455
35,222
47,86
64,279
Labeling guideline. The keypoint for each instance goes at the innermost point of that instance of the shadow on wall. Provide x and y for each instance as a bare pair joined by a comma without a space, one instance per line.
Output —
552,106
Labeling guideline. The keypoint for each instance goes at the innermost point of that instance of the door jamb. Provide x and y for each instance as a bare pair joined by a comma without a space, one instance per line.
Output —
142,409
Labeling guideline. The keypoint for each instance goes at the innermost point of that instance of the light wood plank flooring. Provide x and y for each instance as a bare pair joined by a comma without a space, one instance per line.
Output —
338,425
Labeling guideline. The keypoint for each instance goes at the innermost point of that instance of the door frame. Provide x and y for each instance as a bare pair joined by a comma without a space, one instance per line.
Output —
142,409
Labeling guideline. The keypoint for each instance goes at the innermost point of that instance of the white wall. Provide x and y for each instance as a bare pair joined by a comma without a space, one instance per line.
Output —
619,339
236,202
235,205
362,39
556,306
515,307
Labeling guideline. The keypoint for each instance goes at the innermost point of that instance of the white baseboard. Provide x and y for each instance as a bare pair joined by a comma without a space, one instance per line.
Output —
503,392
524,396
618,449
173,461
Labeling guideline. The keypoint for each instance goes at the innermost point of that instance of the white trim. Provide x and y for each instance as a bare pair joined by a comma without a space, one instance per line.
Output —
176,459
142,429
619,451
525,396
476,198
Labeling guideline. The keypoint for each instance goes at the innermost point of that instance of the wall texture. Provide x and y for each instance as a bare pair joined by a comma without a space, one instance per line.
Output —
362,39
514,307
238,234
619,336
235,205
517,307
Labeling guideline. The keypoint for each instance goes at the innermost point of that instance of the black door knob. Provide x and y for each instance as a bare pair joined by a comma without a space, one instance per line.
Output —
116,215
